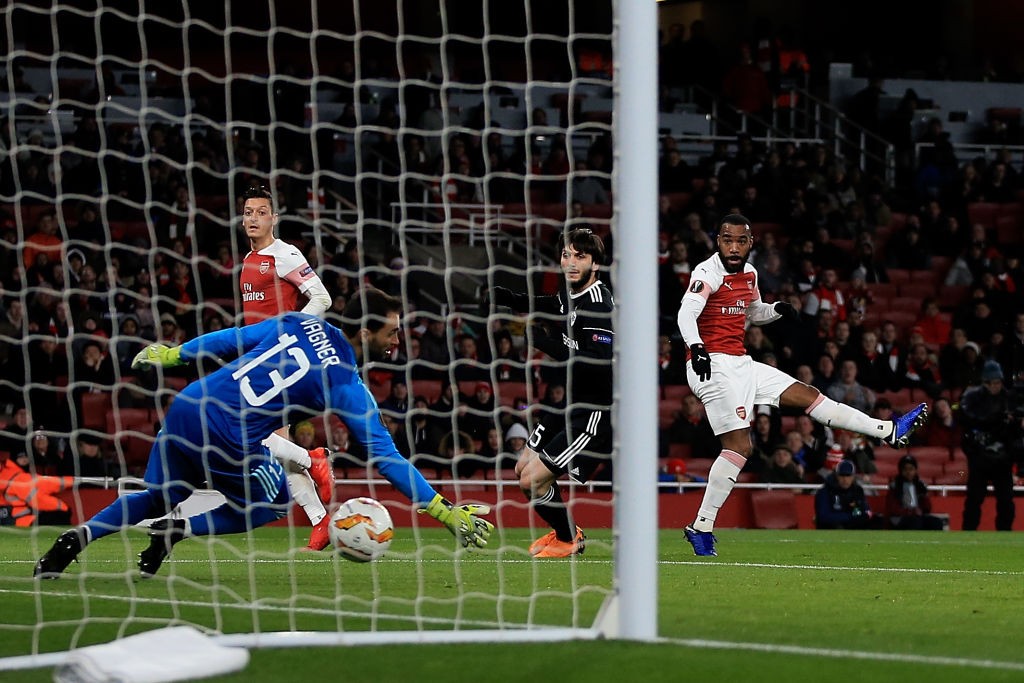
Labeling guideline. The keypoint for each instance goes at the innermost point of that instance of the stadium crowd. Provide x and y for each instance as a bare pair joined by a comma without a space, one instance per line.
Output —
904,291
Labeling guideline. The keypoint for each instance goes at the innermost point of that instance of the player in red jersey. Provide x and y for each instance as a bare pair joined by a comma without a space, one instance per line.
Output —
274,274
722,298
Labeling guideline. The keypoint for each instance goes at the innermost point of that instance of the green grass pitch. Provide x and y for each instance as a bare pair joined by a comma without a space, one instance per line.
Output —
787,606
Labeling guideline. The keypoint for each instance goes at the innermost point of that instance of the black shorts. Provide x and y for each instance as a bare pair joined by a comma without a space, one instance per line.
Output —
577,445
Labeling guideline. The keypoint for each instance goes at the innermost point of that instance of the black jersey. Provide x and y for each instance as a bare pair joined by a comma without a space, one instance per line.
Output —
584,338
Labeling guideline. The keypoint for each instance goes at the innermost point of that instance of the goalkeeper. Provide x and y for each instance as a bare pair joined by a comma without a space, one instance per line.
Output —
214,429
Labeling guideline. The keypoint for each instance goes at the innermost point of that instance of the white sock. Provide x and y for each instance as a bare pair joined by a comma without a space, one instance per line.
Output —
721,479
304,493
286,451
833,414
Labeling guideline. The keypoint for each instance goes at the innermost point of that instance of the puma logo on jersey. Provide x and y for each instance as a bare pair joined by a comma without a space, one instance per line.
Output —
728,284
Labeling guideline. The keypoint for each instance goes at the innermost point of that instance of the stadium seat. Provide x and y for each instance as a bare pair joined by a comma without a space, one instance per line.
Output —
667,413
135,449
699,466
774,509
900,400
505,393
917,291
904,303
882,291
931,453
983,213
680,450
930,470
675,392
1008,229
429,388
129,419
898,276
96,405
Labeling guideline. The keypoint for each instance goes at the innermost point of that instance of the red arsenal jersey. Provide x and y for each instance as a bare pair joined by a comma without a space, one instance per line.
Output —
722,323
271,281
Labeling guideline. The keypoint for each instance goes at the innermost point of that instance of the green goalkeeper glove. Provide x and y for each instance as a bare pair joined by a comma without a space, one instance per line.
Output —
463,521
158,354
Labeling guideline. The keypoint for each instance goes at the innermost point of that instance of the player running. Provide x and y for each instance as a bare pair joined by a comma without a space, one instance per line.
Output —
580,440
723,296
215,429
274,274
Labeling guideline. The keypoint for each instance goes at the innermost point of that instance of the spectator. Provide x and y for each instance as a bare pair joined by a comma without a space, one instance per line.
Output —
509,364
691,426
397,402
908,506
849,391
304,435
515,442
764,436
923,372
421,435
674,471
934,325
840,503
671,363
943,427
991,438
782,469
745,86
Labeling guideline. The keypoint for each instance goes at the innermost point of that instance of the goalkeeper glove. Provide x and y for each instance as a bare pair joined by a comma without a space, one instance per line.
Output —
786,310
503,296
158,354
701,360
463,521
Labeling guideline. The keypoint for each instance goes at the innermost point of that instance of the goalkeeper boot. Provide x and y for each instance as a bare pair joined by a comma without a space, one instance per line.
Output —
906,424
559,548
322,472
703,542
59,556
320,537
163,534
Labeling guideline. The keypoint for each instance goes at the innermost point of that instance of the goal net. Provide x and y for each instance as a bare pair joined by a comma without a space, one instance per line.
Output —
431,152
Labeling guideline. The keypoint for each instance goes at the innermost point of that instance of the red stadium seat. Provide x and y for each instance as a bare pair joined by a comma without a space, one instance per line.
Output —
774,509
95,408
983,213
918,291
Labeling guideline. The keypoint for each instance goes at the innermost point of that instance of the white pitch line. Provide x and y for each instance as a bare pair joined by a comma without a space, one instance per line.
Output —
898,570
847,654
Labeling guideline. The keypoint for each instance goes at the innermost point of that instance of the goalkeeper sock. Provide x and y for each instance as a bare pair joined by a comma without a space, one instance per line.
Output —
721,479
286,451
303,492
834,414
553,511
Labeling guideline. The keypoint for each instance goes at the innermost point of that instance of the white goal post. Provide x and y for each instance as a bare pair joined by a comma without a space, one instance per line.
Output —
421,226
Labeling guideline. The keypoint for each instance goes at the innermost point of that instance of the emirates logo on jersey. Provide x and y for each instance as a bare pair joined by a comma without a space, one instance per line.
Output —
264,267
741,412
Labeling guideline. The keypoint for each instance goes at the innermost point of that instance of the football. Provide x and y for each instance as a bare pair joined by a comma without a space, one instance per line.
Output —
361,530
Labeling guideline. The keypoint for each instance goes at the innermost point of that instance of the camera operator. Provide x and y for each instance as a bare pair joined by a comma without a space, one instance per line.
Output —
992,434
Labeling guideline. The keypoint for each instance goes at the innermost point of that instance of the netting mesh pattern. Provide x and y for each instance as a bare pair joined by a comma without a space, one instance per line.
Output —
433,150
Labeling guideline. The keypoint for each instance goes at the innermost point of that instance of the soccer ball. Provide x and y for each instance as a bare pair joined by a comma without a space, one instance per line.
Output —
361,530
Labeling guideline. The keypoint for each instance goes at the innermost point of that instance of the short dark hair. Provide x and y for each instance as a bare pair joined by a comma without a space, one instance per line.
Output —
373,315
733,219
583,240
259,192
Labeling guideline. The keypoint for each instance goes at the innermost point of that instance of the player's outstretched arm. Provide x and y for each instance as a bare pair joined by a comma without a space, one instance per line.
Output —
464,521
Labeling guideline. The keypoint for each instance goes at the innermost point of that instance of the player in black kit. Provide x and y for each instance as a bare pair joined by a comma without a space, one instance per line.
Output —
579,440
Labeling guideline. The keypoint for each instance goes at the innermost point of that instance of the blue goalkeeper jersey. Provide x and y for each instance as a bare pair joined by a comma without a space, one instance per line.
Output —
293,361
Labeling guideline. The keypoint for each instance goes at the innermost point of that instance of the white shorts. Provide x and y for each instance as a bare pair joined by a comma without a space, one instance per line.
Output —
737,384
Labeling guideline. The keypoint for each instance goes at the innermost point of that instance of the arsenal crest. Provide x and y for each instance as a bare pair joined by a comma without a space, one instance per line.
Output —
741,412
264,267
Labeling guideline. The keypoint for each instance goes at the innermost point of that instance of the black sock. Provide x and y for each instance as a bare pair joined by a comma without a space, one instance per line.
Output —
553,511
